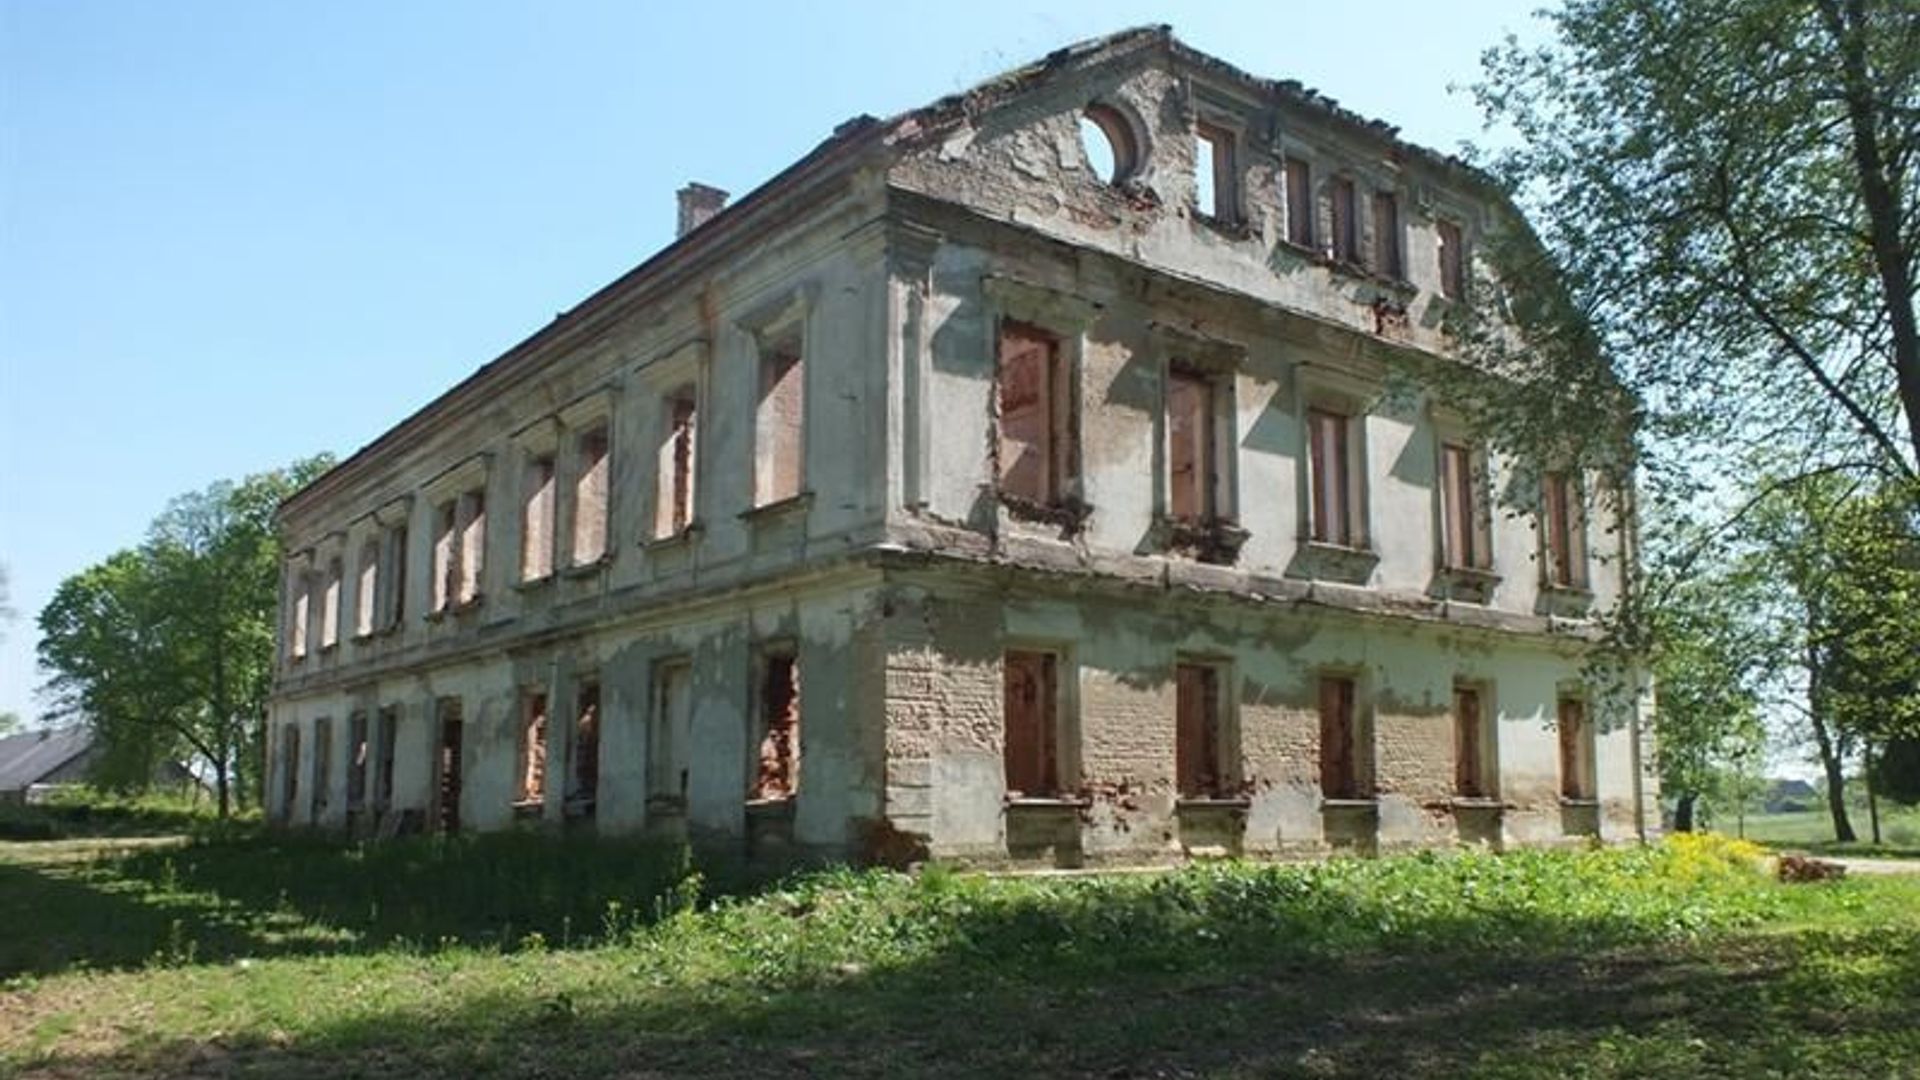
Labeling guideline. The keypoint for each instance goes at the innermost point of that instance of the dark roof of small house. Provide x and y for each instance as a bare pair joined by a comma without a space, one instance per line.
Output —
30,755
1791,789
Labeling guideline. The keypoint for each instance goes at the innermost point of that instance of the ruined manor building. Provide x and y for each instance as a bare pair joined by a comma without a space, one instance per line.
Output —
1029,477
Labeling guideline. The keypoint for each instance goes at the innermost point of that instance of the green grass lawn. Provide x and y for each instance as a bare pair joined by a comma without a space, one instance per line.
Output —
1812,830
514,957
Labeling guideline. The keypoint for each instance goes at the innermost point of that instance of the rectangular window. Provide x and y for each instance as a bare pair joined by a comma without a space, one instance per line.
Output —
473,545
446,554
779,423
289,770
536,519
1035,445
1341,772
1387,261
330,605
397,575
1192,480
673,491
357,761
302,589
1346,221
1031,711
668,740
447,765
1299,203
1329,461
1215,174
1200,764
1453,260
1576,750
1471,743
530,788
776,773
1563,531
584,765
366,589
322,767
386,737
592,461
1463,509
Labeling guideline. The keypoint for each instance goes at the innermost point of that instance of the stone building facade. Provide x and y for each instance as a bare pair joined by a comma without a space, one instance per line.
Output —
1017,479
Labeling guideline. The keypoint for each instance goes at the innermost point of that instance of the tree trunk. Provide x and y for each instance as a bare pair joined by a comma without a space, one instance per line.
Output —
1836,781
220,785
1683,812
1873,797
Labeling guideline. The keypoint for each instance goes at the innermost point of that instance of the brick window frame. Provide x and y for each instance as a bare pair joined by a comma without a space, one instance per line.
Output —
1345,742
1065,319
1039,725
1207,761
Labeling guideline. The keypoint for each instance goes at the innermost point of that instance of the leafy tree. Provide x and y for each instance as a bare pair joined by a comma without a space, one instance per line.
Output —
10,723
1709,661
170,647
1895,770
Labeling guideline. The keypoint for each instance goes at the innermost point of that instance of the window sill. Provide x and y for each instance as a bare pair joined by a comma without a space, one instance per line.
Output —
534,584
1069,513
1216,541
588,569
1475,802
1570,592
1578,804
327,651
1043,803
529,810
1320,559
792,504
685,535
781,807
455,610
1211,802
1233,228
1350,805
1471,584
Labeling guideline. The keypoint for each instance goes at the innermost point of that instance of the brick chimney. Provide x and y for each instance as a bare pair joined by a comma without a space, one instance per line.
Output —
698,202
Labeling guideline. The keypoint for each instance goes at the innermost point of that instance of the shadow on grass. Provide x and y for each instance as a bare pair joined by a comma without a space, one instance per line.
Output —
1120,986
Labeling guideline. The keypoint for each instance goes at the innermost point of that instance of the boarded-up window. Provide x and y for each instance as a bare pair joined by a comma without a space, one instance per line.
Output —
1470,744
357,761
386,737
366,591
1463,508
673,498
1036,444
302,589
447,766
1216,176
776,773
1387,260
1576,750
1200,749
322,767
1192,483
1453,259
1329,462
672,729
536,519
585,762
592,462
1340,765
531,786
289,770
1032,717
779,423
330,606
1299,203
1563,531
1346,221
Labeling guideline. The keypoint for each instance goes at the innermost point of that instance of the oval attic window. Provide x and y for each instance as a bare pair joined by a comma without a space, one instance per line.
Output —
1108,141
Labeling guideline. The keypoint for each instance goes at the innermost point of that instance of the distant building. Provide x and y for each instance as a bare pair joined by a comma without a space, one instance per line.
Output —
1029,477
1790,796
33,764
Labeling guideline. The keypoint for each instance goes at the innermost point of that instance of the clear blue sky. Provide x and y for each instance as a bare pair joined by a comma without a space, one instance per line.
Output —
233,234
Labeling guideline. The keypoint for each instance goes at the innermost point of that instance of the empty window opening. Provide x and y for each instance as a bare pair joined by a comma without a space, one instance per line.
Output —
1332,481
1564,531
1035,445
447,767
446,559
1342,775
673,508
1387,260
1346,222
1215,177
1463,508
590,492
1299,203
386,737
458,546
330,606
1200,763
531,786
1453,260
1472,743
671,731
357,761
366,588
1576,750
777,761
396,606
536,519
322,767
779,423
302,614
1108,141
289,770
1032,717
1192,480
584,788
